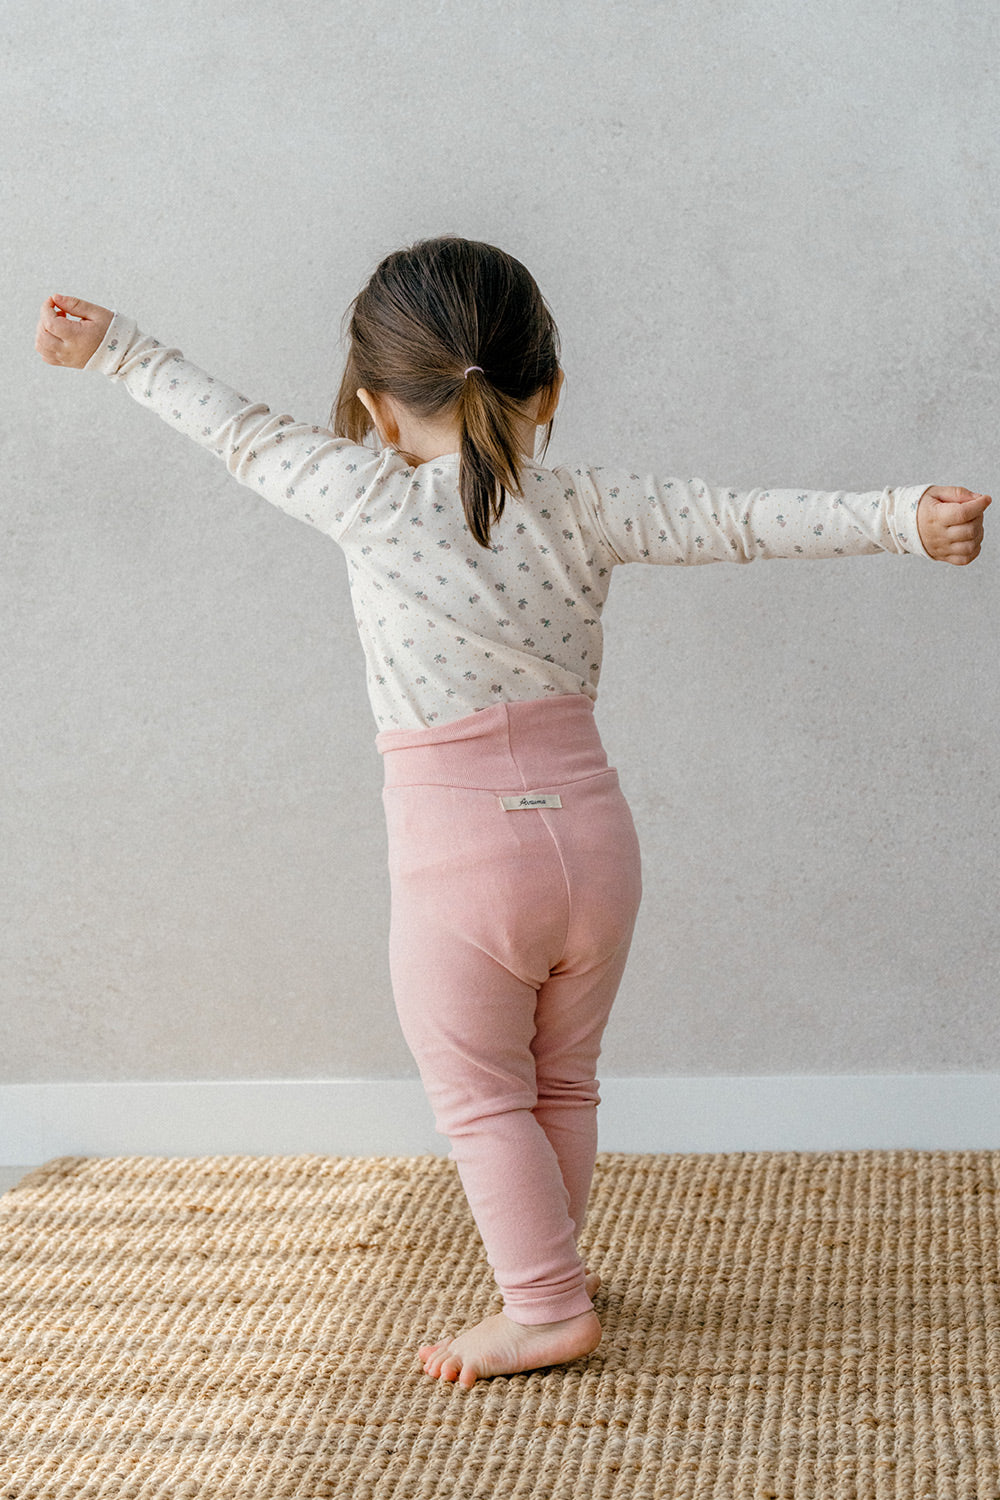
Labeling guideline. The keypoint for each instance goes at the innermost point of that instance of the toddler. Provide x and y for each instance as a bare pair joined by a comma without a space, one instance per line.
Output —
478,578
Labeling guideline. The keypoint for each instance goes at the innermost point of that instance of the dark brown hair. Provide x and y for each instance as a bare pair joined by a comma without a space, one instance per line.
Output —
429,312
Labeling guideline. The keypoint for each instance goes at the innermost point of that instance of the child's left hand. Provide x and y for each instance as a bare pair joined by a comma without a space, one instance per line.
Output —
950,523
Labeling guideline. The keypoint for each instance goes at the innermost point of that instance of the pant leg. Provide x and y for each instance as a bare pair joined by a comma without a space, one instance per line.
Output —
601,861
572,1011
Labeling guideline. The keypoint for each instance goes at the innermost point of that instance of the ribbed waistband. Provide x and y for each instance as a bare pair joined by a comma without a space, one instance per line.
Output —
527,746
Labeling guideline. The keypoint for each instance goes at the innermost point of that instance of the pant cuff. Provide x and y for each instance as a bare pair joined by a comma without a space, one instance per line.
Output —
548,1309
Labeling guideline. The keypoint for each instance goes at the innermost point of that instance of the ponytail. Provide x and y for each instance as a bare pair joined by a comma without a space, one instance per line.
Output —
489,458
454,327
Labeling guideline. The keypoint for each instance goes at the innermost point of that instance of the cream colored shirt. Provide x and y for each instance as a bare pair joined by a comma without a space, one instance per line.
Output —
448,626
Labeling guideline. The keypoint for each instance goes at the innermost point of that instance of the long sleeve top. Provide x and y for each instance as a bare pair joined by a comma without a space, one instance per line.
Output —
447,626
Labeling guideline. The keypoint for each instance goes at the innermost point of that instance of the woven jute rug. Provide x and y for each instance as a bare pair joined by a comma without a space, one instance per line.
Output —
775,1324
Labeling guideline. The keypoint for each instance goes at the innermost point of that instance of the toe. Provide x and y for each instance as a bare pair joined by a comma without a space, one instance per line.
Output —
437,1359
440,1355
450,1368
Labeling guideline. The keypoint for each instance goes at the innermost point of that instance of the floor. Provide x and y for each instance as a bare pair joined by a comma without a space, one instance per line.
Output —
785,1316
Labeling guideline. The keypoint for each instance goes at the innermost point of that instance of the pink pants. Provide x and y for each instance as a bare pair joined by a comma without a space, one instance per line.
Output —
509,934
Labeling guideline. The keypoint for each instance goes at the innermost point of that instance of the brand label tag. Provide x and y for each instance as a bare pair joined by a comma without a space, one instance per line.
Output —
530,799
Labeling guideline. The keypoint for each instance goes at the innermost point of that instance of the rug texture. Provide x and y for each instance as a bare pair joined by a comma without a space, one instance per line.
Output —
775,1324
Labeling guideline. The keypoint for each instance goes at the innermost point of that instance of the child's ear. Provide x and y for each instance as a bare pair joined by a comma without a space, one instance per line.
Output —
381,414
385,424
550,400
367,401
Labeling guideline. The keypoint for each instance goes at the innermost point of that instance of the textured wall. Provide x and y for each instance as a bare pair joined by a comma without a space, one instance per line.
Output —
769,236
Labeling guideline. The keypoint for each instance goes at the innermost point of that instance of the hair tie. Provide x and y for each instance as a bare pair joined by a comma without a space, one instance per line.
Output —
474,367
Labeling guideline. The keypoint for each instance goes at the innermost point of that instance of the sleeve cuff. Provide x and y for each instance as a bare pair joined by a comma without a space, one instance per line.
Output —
907,498
112,349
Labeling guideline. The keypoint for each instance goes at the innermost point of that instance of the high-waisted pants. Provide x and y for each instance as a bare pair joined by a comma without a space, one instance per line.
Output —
509,932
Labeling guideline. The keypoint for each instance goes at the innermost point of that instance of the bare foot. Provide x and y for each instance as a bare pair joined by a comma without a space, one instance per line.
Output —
592,1284
428,1350
499,1346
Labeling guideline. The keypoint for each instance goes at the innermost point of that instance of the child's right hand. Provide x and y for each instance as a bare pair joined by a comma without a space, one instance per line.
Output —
61,341
950,523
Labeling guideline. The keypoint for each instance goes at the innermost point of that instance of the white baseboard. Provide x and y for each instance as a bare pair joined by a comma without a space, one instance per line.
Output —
391,1116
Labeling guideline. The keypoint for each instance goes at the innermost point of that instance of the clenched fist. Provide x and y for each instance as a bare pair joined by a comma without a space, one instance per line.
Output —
950,523
70,331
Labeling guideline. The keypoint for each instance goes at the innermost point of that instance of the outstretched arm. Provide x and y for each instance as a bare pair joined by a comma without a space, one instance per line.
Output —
648,518
303,470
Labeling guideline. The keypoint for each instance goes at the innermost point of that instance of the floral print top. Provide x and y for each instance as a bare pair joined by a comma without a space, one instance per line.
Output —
447,626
